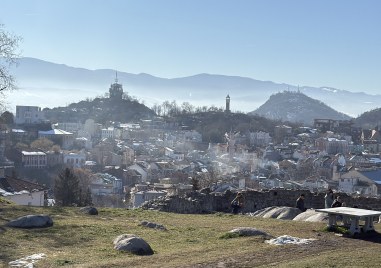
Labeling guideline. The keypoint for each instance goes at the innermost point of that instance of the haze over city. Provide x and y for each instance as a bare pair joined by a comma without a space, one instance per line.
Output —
319,43
204,133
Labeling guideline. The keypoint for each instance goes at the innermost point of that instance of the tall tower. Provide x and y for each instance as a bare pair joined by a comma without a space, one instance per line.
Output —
116,89
227,109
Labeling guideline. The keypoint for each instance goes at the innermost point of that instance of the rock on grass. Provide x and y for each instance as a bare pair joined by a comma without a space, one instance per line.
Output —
31,221
132,244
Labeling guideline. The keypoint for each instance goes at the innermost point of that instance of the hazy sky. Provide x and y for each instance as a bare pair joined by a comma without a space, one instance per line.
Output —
333,43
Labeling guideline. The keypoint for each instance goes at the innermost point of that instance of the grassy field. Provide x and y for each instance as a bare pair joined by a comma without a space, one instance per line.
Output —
78,240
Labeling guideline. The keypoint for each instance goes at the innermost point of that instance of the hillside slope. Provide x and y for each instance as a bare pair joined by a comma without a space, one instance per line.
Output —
79,240
369,119
296,107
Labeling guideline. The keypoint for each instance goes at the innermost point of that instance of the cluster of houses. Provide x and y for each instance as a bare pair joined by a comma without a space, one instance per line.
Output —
135,162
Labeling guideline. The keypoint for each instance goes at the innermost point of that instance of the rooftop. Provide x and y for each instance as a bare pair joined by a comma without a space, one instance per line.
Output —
55,131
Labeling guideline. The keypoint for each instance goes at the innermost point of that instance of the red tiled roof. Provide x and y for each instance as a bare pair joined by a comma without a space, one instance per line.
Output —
16,185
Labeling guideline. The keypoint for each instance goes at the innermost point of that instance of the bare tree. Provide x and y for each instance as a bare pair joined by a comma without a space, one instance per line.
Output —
42,144
85,177
8,55
187,108
166,106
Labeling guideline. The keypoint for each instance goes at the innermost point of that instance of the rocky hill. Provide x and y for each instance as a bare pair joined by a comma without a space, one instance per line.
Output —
101,110
369,119
296,107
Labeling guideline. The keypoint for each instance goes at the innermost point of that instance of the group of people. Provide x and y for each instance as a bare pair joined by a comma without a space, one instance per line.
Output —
330,201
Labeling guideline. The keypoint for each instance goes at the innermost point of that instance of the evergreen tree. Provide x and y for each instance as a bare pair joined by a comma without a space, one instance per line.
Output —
66,189
88,200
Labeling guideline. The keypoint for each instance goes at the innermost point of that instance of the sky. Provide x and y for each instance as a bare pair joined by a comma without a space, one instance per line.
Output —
307,43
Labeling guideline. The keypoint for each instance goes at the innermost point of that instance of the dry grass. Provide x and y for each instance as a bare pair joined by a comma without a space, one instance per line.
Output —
78,240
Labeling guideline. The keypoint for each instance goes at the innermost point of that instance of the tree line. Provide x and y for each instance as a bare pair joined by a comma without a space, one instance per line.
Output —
171,108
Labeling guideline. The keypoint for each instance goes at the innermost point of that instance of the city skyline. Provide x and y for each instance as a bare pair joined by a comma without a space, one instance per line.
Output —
322,43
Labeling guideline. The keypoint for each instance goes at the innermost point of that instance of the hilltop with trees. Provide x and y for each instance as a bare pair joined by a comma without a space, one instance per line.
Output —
370,119
102,110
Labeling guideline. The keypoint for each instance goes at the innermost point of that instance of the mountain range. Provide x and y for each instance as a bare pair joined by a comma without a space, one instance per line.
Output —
47,84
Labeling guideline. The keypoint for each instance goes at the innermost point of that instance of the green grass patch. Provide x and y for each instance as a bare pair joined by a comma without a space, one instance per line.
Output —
81,240
4,201
337,229
229,235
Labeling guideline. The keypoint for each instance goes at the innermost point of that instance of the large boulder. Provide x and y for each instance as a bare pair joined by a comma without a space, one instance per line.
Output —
133,244
250,231
312,216
89,210
261,212
282,213
31,221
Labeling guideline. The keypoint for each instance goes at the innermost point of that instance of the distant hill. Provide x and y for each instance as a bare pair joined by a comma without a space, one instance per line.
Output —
44,84
296,107
369,119
101,110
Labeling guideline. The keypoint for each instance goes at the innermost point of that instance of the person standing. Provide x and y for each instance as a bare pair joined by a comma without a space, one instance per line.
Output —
237,203
300,203
328,198
337,202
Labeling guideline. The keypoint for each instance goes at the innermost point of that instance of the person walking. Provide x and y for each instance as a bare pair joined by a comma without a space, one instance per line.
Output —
328,198
237,203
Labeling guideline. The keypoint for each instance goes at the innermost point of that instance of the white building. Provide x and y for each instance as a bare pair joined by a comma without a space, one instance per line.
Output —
332,145
68,126
106,184
177,156
111,132
83,142
29,115
138,198
315,184
259,138
34,159
76,160
355,182
59,136
22,192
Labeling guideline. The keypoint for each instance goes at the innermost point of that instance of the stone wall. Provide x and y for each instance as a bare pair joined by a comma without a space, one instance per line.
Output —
198,202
